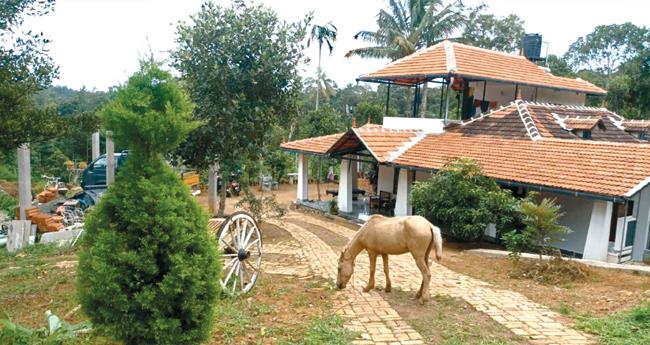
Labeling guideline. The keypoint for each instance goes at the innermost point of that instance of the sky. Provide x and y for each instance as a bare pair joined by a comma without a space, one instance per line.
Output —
97,43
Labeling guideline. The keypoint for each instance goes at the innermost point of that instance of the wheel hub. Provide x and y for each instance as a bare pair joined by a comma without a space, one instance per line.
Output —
243,254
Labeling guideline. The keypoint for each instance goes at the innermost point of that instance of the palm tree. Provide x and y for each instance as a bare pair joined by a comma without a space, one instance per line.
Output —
320,85
407,26
322,34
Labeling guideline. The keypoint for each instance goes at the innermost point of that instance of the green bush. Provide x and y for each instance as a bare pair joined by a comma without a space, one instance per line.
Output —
8,204
462,200
542,223
259,207
148,270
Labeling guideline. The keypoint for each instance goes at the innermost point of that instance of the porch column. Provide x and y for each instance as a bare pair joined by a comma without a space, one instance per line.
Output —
95,146
354,169
402,204
642,222
110,159
303,178
598,233
24,180
345,186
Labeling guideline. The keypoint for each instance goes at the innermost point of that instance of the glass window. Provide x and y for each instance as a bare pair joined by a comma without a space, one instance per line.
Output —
100,163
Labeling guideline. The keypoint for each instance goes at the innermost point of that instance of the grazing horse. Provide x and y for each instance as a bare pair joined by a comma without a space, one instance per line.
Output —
392,235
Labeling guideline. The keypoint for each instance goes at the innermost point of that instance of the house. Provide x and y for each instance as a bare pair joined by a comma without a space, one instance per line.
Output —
527,129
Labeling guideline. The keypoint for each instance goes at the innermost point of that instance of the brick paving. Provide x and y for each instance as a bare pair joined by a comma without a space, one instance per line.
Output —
366,313
511,309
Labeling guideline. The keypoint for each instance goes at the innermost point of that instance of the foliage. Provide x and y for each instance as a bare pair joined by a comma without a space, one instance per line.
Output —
366,112
407,26
260,207
629,89
555,271
321,86
148,270
333,206
559,66
517,242
322,34
491,32
7,203
463,200
323,121
626,328
25,68
607,47
542,222
15,334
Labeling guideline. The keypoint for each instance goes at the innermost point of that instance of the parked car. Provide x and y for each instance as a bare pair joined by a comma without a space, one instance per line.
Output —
94,176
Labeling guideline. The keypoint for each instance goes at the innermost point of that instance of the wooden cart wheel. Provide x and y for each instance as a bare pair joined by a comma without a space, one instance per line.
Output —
240,243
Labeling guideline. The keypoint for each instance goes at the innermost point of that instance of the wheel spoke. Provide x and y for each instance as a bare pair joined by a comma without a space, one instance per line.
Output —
234,281
229,263
252,244
251,266
228,245
249,235
233,269
241,277
229,255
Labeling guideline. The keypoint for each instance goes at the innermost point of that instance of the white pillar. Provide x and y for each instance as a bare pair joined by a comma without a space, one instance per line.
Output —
110,159
24,180
213,172
95,146
345,186
385,179
303,178
402,204
598,232
642,222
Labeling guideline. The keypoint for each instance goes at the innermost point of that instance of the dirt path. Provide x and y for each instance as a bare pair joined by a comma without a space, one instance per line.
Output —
511,309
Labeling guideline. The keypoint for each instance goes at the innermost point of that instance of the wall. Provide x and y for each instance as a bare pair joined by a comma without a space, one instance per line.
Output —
504,93
577,214
642,214
385,179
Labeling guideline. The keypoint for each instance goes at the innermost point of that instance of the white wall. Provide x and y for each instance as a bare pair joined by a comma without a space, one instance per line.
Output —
385,179
642,214
577,213
597,242
504,93
425,124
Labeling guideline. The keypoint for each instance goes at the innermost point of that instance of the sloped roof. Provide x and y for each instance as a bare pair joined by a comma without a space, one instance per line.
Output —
381,141
636,125
583,124
609,169
315,145
452,58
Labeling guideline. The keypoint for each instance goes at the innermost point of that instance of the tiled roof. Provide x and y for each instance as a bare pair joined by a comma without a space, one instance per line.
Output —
452,58
610,169
636,125
316,145
379,141
582,124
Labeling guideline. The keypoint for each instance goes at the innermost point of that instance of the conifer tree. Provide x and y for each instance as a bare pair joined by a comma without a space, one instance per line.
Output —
148,270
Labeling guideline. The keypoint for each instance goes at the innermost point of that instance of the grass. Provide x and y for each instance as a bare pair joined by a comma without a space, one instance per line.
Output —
625,328
328,330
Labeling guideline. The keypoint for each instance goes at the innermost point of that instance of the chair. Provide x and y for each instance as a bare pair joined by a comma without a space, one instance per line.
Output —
268,183
385,201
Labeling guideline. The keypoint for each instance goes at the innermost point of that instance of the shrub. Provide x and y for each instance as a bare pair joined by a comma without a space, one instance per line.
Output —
541,222
148,270
8,204
463,200
334,207
259,207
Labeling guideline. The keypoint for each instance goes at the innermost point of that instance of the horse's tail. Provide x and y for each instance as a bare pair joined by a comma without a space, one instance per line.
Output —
436,240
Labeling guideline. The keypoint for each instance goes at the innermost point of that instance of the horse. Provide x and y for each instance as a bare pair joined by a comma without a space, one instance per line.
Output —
392,236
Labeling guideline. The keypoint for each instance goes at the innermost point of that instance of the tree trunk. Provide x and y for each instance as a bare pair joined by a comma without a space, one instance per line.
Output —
318,78
213,170
222,199
261,174
423,108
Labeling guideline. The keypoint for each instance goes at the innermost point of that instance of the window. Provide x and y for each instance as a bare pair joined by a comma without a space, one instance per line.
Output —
643,136
100,163
586,134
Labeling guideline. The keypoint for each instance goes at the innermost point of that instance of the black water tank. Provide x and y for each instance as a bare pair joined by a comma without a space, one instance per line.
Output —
532,45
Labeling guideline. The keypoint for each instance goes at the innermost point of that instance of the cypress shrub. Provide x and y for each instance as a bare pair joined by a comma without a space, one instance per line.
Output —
148,270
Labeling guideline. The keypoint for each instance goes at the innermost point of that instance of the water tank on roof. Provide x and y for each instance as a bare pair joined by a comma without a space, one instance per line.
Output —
532,46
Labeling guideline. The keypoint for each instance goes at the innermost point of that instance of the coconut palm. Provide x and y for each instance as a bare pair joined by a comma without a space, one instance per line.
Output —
320,85
323,34
407,26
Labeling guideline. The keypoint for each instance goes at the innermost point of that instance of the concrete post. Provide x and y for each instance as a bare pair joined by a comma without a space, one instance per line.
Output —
598,233
303,178
213,172
95,145
345,186
354,168
110,159
24,180
642,223
402,204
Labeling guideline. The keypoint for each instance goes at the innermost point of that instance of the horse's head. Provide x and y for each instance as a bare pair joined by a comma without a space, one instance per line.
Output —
345,269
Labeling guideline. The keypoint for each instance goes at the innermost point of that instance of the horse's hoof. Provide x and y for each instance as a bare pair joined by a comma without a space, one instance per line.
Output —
366,289
387,289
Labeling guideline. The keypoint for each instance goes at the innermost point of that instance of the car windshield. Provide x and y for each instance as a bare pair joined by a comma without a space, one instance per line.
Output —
100,163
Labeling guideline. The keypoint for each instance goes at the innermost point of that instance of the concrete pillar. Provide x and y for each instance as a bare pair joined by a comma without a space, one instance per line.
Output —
213,172
95,145
354,169
598,232
24,180
110,159
385,179
345,186
402,204
303,178
642,223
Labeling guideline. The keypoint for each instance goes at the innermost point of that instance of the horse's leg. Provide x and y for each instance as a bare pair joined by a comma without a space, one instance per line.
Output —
384,258
371,280
426,278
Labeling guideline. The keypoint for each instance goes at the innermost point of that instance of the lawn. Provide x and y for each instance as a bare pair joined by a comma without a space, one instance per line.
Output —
279,310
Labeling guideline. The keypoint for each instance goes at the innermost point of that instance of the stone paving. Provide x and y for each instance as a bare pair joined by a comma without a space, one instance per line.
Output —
511,309
366,313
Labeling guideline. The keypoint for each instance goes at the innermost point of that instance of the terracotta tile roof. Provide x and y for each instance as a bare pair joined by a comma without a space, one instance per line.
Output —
610,169
317,145
583,124
452,58
378,140
636,125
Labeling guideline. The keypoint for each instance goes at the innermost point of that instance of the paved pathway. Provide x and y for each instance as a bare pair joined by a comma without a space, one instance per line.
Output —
511,309
367,313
